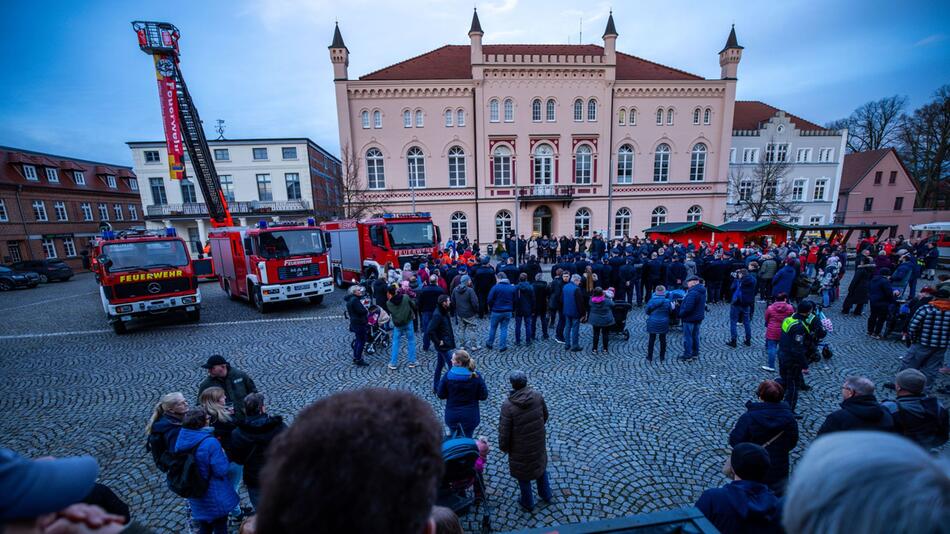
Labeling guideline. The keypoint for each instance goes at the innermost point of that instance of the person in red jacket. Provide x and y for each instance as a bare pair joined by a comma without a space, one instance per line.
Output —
811,261
774,315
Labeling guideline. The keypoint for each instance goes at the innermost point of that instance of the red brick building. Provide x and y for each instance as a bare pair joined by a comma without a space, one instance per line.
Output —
50,206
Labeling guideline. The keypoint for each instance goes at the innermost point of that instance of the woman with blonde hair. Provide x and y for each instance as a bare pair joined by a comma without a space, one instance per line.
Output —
163,427
221,417
462,388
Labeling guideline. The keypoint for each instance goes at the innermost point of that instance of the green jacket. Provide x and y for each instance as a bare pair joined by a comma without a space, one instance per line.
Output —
236,386
400,309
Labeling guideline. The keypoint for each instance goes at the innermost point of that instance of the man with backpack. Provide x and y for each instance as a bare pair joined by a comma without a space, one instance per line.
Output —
250,440
201,474
918,417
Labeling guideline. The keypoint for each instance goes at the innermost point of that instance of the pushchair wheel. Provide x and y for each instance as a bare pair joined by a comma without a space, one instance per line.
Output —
370,349
626,335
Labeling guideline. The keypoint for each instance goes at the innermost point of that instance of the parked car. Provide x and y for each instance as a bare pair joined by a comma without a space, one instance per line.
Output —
10,279
48,270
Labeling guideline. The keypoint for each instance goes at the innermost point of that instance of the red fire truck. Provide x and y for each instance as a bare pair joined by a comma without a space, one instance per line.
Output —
262,264
272,263
144,274
362,247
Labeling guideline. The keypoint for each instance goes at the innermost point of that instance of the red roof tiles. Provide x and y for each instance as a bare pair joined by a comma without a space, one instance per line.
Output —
453,62
750,114
857,165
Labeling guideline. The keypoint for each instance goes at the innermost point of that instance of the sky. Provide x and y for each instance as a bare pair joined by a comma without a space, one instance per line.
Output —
76,84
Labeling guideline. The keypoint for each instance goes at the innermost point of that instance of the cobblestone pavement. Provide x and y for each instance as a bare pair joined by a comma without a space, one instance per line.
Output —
625,437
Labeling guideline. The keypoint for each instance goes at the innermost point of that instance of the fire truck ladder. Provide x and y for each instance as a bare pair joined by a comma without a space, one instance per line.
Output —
192,132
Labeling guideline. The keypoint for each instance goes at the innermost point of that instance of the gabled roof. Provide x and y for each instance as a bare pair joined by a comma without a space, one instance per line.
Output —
677,227
750,114
857,165
454,62
753,226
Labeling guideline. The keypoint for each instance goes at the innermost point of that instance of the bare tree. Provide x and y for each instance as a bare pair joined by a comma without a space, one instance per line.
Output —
925,147
874,125
358,200
762,193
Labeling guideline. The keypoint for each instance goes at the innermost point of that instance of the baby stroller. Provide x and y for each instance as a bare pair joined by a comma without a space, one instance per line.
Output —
898,318
460,453
823,348
620,310
676,296
380,329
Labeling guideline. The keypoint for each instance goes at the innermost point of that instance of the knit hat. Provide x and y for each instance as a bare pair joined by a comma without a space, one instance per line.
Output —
213,360
465,279
692,278
912,381
750,461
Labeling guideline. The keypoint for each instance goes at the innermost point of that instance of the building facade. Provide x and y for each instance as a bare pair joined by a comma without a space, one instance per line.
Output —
51,206
811,156
274,179
549,139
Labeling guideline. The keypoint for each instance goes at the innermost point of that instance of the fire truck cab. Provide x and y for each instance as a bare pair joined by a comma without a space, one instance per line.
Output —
362,248
272,263
144,274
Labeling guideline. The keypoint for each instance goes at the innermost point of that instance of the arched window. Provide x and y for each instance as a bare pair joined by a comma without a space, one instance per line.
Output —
456,167
459,225
419,118
623,117
697,163
578,110
659,117
694,214
364,119
509,110
543,165
658,216
591,110
377,119
417,167
632,119
375,176
551,105
536,110
696,116
625,165
622,223
661,163
669,117
460,117
502,225
582,165
582,223
407,119
448,118
706,115
493,110
501,165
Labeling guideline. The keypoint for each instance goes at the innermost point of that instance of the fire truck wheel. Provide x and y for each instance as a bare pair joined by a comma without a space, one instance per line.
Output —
44,279
316,300
5,285
118,327
193,316
259,303
228,292
338,278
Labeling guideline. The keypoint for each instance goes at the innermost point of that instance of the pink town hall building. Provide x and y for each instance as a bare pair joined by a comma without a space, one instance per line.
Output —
550,139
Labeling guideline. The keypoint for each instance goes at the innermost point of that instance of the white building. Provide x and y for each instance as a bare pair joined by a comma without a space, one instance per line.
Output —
288,179
816,155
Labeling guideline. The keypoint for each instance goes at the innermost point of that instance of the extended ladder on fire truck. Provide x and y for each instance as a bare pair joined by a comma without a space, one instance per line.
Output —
160,39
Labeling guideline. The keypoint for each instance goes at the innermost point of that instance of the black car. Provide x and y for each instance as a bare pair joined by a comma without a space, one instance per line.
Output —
48,270
10,279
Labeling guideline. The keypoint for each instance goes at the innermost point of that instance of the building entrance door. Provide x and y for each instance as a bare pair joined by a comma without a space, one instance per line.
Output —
542,221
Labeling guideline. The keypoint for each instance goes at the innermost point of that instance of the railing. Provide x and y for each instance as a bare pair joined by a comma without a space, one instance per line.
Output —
199,209
554,192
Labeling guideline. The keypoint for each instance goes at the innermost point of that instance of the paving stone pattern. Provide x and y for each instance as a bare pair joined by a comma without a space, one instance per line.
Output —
625,437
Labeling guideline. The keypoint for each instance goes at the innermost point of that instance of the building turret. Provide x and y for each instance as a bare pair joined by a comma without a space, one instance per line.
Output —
339,55
610,40
730,56
475,33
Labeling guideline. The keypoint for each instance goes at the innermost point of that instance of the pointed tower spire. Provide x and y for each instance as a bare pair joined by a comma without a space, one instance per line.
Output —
476,25
337,38
731,42
730,56
611,29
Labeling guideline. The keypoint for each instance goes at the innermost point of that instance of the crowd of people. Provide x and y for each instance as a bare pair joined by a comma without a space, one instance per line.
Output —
312,475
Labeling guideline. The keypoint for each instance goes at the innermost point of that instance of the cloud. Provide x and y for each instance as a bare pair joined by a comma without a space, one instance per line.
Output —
931,39
497,8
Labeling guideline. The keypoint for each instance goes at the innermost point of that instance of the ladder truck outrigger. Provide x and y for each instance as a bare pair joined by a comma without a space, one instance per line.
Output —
264,264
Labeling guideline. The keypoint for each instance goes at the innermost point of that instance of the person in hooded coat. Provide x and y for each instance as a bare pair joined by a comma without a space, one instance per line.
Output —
658,310
857,295
770,423
250,440
462,389
210,510
483,279
745,505
521,434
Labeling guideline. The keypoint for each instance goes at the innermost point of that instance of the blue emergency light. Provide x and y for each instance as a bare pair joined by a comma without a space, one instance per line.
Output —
108,234
311,221
170,232
262,224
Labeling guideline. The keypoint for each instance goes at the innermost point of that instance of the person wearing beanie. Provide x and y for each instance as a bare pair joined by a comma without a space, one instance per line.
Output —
746,504
521,434
917,417
929,333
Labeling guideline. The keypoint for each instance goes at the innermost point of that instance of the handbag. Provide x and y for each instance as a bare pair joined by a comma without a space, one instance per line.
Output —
727,466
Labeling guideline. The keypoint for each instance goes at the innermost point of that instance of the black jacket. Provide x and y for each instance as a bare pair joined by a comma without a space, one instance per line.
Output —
440,330
540,297
357,312
427,298
762,422
861,412
921,419
249,443
793,346
236,386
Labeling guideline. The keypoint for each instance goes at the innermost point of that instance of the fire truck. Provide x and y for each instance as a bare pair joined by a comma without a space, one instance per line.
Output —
262,264
144,274
364,247
272,262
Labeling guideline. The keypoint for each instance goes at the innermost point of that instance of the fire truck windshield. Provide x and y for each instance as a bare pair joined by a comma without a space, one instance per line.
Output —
285,243
411,234
134,255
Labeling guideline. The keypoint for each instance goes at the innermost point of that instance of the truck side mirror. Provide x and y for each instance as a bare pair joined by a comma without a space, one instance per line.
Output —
105,261
327,240
247,246
438,235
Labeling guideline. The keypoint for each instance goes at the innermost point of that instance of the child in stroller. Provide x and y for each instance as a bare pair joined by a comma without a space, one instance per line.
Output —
620,310
464,460
380,329
676,296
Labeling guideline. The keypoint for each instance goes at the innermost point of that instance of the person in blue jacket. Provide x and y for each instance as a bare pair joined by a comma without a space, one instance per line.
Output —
501,303
745,505
658,309
462,388
524,310
784,280
692,312
881,297
743,298
209,511
903,273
